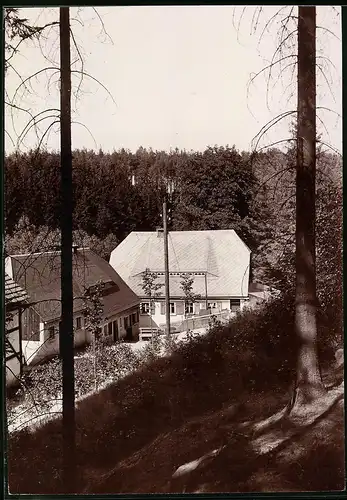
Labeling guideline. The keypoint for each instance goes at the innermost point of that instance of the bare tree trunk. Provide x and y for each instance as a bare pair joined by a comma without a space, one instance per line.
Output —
308,382
66,335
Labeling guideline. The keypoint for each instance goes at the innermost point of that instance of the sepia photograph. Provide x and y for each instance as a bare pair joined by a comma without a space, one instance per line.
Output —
172,250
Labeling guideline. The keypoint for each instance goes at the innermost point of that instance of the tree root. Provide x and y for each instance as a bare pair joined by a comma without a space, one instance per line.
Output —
281,427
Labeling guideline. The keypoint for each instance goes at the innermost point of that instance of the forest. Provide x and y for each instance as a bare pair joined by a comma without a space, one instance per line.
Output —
219,188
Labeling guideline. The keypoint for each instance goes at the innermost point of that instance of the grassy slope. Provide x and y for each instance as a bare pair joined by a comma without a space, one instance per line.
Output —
310,462
133,435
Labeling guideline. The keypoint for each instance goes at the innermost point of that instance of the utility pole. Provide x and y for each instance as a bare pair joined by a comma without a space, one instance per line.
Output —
166,261
66,337
206,297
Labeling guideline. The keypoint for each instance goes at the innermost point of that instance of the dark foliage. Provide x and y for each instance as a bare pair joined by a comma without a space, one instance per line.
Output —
212,190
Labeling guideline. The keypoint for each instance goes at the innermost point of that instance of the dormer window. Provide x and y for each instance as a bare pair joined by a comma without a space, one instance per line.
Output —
109,287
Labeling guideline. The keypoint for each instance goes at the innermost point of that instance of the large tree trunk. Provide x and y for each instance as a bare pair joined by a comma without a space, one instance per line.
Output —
308,382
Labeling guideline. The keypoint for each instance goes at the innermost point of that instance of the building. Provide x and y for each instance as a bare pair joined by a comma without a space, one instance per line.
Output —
15,301
259,294
218,260
39,275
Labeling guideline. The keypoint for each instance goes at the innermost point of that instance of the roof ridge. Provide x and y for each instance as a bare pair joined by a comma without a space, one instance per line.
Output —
184,231
45,252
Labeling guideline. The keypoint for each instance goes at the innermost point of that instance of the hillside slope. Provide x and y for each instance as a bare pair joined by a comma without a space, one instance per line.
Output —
217,457
134,435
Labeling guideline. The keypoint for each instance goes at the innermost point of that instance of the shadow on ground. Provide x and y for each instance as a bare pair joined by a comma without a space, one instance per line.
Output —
310,461
134,435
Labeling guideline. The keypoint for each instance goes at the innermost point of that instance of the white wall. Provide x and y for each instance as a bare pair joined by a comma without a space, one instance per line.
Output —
30,349
13,365
8,267
13,337
159,320
48,346
225,304
12,371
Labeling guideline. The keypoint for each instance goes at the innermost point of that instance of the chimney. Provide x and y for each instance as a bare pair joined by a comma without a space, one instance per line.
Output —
160,232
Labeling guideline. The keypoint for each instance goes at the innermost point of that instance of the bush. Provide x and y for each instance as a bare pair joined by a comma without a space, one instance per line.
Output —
116,361
260,344
257,348
41,387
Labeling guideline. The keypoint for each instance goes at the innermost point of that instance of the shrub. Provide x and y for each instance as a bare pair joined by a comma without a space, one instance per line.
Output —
153,348
116,361
41,387
256,349
44,383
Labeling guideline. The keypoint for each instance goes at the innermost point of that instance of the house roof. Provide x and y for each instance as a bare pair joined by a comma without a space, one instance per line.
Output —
39,275
258,287
14,294
221,255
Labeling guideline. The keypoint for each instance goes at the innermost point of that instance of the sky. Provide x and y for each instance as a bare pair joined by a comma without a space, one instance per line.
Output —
170,77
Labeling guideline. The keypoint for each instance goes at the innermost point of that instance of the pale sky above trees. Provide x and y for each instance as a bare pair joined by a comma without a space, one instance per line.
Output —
178,76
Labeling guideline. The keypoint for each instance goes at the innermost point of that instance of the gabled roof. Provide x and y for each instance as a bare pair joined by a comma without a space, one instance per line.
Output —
14,294
221,255
39,275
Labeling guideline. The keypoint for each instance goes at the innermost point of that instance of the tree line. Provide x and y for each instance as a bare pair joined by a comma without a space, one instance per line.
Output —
219,188
212,190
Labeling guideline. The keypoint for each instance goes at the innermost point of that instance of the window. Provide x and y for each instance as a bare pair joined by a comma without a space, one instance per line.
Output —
133,318
189,308
109,329
144,307
234,305
126,323
120,322
51,331
172,308
78,323
212,305
105,330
